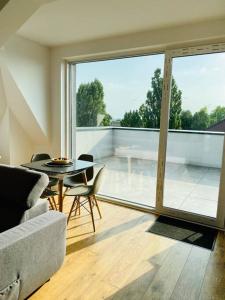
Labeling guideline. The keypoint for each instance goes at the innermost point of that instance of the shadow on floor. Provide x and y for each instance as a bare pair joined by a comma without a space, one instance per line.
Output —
137,288
97,237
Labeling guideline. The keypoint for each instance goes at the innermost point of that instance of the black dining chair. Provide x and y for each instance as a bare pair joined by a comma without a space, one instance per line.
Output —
48,192
50,195
73,181
43,156
88,194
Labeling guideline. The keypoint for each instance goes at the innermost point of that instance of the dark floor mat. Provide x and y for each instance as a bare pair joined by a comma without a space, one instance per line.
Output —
190,233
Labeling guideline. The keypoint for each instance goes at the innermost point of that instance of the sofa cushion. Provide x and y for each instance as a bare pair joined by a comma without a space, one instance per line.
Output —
10,217
11,292
20,190
21,186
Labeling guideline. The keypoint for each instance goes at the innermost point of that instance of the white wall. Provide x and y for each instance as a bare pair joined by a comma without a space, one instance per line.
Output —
21,147
137,43
4,138
24,83
29,63
14,14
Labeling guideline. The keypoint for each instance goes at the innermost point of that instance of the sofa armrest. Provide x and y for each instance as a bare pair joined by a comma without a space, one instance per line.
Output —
32,251
40,207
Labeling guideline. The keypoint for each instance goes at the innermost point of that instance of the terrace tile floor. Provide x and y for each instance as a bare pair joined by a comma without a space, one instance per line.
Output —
187,187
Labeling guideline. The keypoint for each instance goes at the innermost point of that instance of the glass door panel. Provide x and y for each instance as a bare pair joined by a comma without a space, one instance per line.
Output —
117,121
196,134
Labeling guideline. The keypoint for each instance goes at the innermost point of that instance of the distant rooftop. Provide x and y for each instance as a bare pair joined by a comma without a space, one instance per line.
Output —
220,126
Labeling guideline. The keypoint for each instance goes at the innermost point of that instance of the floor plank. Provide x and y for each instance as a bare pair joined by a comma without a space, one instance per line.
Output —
214,282
123,261
166,278
190,281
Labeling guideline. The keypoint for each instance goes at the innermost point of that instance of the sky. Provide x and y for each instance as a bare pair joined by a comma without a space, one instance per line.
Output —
126,81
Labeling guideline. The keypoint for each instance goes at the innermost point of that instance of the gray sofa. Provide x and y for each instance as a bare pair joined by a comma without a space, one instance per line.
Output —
32,239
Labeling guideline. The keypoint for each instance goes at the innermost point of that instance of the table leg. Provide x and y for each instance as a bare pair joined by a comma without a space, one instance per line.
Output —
60,195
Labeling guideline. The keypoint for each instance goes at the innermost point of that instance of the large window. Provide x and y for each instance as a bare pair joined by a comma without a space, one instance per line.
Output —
194,152
154,129
118,118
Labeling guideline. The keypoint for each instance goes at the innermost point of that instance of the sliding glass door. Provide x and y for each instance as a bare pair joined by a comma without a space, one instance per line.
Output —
157,122
194,138
118,106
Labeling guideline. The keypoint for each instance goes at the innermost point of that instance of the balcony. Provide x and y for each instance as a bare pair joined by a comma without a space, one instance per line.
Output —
130,155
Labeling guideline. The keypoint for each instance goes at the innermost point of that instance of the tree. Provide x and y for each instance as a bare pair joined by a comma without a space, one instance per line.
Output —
201,119
217,115
131,119
175,106
186,119
90,105
150,110
107,120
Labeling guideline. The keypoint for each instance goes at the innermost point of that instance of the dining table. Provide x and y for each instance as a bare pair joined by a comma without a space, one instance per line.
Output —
60,172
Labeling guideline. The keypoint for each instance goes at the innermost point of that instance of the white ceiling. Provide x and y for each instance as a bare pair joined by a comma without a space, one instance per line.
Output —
66,21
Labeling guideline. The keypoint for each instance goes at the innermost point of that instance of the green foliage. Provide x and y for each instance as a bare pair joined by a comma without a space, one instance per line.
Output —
149,112
148,115
107,120
175,107
131,119
186,120
217,115
201,119
90,104
91,109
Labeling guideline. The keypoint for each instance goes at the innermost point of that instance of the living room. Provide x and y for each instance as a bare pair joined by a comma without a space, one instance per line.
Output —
149,170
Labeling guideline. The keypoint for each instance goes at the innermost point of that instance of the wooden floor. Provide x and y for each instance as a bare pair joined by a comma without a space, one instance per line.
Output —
122,261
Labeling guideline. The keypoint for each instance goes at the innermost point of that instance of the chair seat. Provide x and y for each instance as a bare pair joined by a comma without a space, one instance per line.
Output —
70,182
48,193
80,190
89,192
53,181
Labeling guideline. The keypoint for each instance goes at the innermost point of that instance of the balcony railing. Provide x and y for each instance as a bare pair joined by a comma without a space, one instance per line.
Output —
193,163
199,148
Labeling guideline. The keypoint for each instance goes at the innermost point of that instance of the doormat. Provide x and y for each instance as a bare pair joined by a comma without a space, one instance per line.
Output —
190,233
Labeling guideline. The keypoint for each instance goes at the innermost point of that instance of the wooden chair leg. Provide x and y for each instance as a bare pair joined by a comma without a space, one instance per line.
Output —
78,199
54,203
65,192
91,210
78,206
71,210
75,209
96,203
50,202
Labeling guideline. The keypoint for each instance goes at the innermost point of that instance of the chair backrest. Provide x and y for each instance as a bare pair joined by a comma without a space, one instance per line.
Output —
97,181
89,172
40,156
20,190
